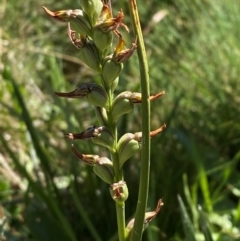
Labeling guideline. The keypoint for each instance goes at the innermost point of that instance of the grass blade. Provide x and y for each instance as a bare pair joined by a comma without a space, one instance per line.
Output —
204,225
187,224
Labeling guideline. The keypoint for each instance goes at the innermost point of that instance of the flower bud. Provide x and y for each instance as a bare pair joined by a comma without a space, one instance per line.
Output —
104,169
111,71
92,8
77,18
93,93
122,104
101,39
119,192
90,55
149,216
103,137
97,96
127,146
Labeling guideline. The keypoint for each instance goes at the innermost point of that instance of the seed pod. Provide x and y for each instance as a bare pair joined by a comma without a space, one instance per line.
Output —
104,169
122,105
110,71
103,137
119,192
127,146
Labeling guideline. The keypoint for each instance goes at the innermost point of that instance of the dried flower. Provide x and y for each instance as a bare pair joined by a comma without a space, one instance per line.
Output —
119,192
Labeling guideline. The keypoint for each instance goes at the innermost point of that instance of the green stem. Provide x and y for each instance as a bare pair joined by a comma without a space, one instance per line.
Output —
120,207
145,158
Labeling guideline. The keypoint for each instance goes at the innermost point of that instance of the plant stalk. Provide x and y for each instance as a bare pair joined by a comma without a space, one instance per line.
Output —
145,155
120,207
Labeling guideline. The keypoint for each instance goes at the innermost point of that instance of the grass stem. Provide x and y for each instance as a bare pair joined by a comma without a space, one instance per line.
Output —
145,158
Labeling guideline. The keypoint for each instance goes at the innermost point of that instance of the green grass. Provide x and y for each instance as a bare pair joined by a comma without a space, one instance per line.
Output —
194,55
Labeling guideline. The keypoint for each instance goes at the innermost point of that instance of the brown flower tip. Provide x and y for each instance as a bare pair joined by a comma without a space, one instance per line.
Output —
61,15
156,96
138,135
87,158
155,132
91,132
70,136
149,216
76,153
81,91
119,22
50,13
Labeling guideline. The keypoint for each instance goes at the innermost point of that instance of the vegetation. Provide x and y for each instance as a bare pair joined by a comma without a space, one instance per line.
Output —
193,52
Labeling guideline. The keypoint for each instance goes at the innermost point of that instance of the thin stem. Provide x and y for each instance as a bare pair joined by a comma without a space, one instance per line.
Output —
120,207
145,158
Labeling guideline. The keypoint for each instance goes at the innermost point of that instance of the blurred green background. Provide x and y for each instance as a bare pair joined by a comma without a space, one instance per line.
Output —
193,50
